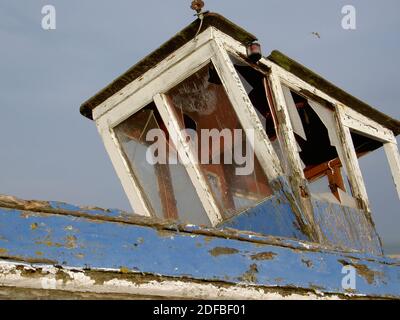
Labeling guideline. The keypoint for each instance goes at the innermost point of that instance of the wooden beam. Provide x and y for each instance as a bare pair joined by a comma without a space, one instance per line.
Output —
392,154
165,80
285,125
203,39
186,154
351,161
246,113
290,149
362,124
128,180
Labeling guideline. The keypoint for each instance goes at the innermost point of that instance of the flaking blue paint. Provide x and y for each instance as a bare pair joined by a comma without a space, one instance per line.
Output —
99,244
346,227
95,212
270,218
276,216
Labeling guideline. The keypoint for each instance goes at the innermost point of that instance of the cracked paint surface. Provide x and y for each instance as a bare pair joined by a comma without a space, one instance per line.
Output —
79,242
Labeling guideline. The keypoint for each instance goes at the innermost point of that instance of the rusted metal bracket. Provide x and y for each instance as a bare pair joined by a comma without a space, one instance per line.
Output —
197,5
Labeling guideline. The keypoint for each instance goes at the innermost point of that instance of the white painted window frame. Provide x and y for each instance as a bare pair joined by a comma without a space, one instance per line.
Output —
215,46
347,119
151,87
350,120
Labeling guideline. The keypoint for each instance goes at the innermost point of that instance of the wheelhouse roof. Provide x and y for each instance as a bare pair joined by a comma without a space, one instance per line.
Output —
149,62
241,35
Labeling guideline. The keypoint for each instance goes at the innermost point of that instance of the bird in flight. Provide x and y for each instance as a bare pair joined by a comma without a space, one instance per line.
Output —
316,34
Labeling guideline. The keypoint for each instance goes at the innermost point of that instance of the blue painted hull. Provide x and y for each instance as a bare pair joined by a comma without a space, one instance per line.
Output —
68,236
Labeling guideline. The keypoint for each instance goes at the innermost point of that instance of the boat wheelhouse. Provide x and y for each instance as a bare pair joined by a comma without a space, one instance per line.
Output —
275,206
306,134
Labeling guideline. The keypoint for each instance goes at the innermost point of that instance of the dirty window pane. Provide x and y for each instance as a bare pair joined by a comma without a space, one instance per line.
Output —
201,104
381,191
320,148
364,146
166,186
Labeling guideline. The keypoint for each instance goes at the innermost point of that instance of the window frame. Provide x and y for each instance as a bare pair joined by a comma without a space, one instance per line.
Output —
347,119
151,87
214,46
319,100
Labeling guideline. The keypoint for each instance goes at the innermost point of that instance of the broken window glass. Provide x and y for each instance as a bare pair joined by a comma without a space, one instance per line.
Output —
166,185
320,149
235,176
378,181
256,86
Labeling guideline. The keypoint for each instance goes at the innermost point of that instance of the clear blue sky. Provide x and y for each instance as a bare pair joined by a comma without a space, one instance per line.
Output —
49,152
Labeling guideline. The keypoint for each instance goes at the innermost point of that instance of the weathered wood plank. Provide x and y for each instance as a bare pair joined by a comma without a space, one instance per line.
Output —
153,73
128,180
366,126
351,161
246,113
392,153
290,147
192,166
78,242
22,281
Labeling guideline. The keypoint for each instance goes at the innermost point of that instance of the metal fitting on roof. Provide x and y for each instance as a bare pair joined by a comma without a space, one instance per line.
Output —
197,5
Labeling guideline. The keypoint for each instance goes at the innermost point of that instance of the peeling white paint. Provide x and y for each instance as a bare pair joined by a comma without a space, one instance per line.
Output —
45,277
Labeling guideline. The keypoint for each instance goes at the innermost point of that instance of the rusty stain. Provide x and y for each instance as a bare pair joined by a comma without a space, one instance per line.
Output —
28,272
263,256
49,243
367,273
34,226
259,245
124,270
28,259
39,253
63,276
207,239
171,57
250,275
3,251
362,270
316,288
165,233
307,262
70,242
220,251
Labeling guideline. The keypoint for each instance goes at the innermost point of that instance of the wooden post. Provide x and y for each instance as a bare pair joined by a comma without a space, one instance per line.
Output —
245,112
393,157
351,161
290,149
185,152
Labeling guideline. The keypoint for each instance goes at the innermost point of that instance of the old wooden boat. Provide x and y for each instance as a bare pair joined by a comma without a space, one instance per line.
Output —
298,225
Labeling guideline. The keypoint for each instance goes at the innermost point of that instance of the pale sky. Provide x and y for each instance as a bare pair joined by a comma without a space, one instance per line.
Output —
50,152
